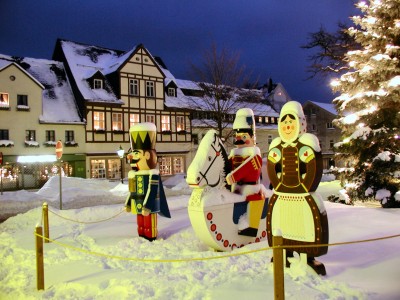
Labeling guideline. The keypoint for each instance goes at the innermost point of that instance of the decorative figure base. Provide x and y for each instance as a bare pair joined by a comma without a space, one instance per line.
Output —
215,213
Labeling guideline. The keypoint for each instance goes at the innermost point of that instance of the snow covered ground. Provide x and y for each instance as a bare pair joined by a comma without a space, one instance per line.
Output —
126,266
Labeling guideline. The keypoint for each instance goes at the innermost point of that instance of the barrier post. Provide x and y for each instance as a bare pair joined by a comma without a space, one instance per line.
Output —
39,258
45,208
279,283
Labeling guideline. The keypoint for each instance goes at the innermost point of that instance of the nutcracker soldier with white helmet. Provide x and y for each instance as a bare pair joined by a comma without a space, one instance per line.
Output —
246,164
146,196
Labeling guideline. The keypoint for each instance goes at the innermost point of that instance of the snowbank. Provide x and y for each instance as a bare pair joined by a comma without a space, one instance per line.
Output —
355,271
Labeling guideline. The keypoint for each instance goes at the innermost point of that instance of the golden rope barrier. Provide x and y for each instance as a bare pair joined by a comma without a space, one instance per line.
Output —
87,222
210,257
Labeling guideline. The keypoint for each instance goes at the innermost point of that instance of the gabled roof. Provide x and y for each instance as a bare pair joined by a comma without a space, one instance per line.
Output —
58,101
329,107
85,60
4,64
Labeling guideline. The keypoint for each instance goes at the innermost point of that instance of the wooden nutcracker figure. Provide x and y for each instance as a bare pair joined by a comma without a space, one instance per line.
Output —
246,164
295,168
147,197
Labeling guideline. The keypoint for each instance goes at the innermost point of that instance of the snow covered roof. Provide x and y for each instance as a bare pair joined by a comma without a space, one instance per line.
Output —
58,101
5,64
85,60
329,107
187,102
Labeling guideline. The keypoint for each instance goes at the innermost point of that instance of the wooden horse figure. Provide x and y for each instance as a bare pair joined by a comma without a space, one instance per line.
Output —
216,213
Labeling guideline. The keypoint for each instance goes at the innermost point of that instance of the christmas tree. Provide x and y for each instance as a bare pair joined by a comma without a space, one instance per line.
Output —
369,105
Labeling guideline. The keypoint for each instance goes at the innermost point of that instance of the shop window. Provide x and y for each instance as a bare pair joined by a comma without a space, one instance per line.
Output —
114,169
178,165
98,168
165,165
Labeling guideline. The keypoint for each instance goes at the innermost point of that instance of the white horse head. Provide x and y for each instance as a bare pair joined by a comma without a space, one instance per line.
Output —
209,166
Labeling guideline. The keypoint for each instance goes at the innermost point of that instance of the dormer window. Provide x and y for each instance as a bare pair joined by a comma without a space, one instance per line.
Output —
97,84
171,92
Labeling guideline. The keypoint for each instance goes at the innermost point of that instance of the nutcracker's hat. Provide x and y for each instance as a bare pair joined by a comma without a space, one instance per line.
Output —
244,121
143,136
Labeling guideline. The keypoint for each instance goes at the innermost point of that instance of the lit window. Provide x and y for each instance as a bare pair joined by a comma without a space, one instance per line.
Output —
30,135
117,121
180,123
165,123
22,100
260,119
4,100
98,168
97,84
165,165
151,119
133,119
133,87
98,120
171,92
150,89
178,165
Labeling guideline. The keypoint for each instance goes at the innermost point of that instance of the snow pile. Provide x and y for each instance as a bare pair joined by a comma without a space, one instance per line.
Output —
128,268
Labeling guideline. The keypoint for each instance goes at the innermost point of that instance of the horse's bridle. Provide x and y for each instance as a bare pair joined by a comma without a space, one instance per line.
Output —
217,153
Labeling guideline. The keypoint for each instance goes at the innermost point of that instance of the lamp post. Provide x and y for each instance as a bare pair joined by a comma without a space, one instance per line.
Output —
121,153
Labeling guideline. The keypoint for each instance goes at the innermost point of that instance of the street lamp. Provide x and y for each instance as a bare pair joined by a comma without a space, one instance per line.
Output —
121,153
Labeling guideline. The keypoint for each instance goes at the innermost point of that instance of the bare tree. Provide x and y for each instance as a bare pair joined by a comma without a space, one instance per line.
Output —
330,50
221,79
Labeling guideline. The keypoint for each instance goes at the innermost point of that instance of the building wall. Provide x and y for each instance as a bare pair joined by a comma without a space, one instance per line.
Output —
23,162
18,120
173,147
319,123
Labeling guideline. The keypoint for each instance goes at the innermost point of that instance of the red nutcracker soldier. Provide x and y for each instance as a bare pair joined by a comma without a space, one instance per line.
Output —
246,163
147,197
295,169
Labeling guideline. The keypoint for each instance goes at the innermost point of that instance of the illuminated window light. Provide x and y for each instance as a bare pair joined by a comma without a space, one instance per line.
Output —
36,158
